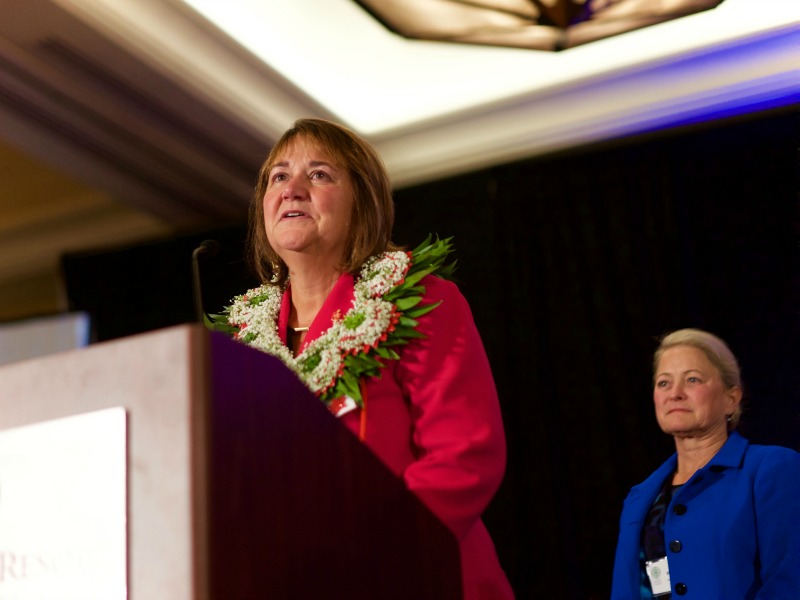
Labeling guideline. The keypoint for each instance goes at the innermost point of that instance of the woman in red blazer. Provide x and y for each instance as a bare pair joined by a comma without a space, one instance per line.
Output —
375,332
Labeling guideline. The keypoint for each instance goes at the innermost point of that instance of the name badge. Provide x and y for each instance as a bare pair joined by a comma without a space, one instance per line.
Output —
658,572
342,406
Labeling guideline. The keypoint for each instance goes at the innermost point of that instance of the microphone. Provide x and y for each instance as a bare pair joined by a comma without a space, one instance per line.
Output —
209,249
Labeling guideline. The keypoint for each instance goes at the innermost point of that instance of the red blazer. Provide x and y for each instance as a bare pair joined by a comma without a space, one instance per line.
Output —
433,417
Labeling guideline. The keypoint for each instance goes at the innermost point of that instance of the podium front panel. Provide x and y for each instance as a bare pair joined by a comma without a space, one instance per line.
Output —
240,483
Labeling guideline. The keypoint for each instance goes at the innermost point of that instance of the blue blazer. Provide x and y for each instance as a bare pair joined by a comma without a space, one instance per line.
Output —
732,531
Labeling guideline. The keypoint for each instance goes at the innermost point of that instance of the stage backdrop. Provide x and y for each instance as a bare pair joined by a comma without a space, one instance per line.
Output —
573,264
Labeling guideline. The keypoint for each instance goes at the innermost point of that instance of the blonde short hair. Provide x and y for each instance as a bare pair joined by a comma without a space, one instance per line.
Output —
716,350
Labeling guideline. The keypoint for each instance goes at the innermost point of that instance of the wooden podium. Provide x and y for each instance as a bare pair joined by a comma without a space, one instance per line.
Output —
240,483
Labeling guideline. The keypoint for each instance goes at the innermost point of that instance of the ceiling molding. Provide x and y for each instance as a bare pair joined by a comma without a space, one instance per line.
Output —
761,71
171,37
183,130
82,103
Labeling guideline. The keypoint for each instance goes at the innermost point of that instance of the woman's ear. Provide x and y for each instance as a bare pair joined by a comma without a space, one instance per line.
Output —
734,397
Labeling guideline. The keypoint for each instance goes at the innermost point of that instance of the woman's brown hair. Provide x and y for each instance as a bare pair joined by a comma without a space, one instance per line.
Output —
373,207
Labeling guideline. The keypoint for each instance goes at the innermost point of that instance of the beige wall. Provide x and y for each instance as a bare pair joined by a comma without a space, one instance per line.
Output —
43,213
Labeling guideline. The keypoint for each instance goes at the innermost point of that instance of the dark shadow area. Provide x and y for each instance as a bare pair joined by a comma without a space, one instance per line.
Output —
136,289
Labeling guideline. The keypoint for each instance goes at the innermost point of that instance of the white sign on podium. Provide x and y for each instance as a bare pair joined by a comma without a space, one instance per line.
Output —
63,509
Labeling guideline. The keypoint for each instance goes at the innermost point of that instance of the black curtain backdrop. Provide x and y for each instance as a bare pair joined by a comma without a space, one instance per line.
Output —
573,265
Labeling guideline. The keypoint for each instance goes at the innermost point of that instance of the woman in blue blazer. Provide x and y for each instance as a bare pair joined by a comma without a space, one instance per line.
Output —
721,518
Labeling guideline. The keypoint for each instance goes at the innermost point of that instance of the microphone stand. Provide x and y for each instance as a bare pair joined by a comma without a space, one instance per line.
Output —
209,248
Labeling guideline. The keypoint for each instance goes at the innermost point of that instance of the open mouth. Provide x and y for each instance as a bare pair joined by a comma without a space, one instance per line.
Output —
293,214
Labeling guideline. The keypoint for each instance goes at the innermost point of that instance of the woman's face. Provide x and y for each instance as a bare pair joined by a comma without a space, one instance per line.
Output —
308,203
689,394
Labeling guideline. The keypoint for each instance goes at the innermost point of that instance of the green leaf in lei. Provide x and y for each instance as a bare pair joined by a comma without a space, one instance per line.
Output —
406,296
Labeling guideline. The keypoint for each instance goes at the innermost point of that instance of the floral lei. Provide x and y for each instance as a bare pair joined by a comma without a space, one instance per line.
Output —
383,316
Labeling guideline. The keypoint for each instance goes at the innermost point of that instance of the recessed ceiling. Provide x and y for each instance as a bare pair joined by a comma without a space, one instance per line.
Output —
169,106
174,102
379,82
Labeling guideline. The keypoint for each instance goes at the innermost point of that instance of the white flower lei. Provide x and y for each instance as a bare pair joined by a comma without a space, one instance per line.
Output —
363,327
